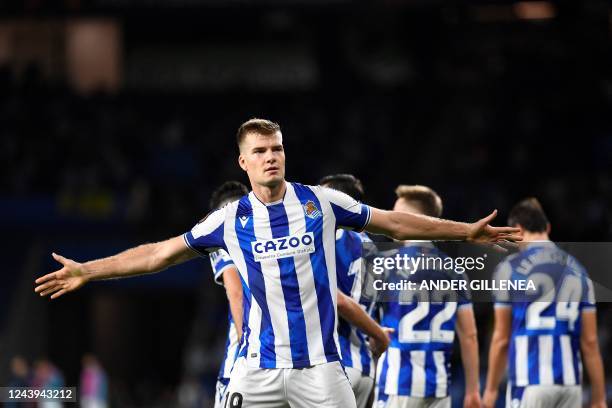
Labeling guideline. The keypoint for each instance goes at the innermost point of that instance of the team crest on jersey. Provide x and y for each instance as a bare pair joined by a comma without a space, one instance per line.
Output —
311,210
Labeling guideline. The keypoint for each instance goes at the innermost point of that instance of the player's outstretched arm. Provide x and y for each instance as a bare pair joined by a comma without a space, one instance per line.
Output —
498,354
591,357
403,226
354,314
140,260
468,342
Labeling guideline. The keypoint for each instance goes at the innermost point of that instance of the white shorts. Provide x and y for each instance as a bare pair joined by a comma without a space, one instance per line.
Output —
320,386
362,386
402,401
544,396
220,394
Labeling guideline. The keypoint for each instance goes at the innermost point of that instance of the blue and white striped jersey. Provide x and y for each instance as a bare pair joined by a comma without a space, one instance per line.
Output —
545,339
220,261
285,253
353,346
417,362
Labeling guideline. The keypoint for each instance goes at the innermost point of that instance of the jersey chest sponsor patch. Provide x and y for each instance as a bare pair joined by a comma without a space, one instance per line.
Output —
284,247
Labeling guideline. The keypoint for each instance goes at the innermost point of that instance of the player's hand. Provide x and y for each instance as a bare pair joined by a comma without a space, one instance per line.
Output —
472,400
601,404
69,278
379,346
481,231
489,399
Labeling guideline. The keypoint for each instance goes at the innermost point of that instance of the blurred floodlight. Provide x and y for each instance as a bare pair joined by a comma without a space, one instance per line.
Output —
534,10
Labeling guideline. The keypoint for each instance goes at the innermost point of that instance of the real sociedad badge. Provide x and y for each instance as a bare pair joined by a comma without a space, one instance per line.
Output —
311,210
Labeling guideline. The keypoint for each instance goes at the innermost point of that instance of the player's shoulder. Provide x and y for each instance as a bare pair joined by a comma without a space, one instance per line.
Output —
352,236
513,259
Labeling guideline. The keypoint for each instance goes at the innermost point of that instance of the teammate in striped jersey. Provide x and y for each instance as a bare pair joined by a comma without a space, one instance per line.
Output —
541,333
356,356
281,237
415,370
226,274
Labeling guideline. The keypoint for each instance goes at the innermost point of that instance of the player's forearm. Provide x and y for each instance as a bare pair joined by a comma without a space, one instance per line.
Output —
354,314
497,362
470,359
135,261
594,366
416,226
235,302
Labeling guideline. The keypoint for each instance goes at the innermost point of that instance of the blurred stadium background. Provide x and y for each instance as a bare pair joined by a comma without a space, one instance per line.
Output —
117,120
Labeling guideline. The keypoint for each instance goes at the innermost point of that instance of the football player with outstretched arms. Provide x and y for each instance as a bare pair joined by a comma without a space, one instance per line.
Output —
281,237
226,274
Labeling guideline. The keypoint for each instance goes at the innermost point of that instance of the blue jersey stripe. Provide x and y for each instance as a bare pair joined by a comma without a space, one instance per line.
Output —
404,382
345,346
430,370
291,289
557,361
382,376
576,359
327,312
534,360
257,286
247,298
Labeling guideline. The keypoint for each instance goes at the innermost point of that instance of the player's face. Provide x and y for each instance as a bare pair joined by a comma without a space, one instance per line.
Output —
403,205
263,158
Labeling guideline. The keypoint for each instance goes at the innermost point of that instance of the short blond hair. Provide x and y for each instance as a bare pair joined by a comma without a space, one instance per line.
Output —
427,200
256,125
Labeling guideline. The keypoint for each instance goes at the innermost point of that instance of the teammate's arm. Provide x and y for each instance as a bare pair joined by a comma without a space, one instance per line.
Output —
403,226
233,290
468,342
143,259
591,358
498,354
354,314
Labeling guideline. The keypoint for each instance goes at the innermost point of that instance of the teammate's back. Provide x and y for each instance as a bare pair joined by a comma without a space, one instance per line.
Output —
546,322
541,331
415,370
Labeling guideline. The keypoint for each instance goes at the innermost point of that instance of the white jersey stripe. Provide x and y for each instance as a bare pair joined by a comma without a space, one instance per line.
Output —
329,246
545,359
522,351
441,375
393,370
417,358
567,358
305,276
275,298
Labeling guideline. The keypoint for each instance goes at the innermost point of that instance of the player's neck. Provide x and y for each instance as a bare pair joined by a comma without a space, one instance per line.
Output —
534,236
269,194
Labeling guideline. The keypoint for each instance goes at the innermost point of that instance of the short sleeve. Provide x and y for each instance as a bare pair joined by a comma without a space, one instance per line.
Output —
503,272
207,235
220,261
349,213
588,296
